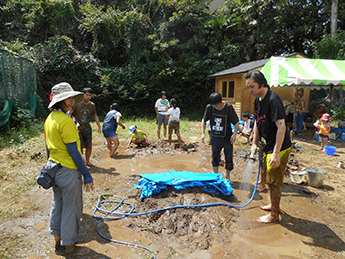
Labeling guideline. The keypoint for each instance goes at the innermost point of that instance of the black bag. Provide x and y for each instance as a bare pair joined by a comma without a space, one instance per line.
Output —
46,177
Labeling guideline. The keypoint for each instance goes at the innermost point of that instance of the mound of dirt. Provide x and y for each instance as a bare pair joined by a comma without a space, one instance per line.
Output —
162,148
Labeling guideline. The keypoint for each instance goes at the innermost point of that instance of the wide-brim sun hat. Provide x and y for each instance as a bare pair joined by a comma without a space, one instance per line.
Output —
325,117
286,103
63,91
132,129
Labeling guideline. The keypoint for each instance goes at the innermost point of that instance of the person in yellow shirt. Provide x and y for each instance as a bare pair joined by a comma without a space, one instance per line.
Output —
138,137
63,150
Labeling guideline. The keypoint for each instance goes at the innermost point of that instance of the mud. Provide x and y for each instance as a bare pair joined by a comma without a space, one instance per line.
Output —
311,225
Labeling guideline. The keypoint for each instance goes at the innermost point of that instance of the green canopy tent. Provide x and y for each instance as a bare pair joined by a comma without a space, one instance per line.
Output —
309,73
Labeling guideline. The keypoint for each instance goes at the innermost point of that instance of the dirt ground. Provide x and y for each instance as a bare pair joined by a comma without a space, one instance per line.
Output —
312,221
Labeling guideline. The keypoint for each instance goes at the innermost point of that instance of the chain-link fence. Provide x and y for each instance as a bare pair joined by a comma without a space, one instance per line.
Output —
17,85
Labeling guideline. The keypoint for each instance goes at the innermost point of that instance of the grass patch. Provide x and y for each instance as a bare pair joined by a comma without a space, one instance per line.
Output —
15,136
9,245
188,128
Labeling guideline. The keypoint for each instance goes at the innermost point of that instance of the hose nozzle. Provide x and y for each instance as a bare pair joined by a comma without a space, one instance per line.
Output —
252,153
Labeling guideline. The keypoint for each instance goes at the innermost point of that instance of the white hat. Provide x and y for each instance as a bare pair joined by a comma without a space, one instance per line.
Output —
286,103
62,91
132,129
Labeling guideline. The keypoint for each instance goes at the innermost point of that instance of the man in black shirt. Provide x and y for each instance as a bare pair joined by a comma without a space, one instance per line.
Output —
270,125
221,114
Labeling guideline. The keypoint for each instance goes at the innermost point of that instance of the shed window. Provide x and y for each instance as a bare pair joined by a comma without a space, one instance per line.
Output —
225,86
228,89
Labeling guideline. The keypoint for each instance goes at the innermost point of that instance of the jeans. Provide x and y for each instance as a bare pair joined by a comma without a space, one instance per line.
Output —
228,152
299,121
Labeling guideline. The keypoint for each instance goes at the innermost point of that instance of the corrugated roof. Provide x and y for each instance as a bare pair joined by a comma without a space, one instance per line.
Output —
246,67
242,68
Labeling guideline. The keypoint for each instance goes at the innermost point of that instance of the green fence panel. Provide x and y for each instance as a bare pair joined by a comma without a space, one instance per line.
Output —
17,85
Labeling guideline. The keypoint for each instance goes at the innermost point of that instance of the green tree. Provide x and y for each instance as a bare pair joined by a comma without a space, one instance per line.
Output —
57,61
331,48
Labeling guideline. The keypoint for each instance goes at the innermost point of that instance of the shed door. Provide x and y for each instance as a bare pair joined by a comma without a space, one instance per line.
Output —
228,90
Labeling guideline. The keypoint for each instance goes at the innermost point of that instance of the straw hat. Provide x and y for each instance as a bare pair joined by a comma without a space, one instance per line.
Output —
300,93
62,91
286,103
322,105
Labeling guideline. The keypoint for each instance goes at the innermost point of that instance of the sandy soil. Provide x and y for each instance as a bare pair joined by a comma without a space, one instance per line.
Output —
312,220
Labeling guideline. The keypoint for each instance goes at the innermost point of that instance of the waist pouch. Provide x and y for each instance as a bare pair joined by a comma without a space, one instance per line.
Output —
46,177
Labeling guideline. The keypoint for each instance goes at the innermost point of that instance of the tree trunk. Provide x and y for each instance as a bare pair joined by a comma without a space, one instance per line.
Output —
334,17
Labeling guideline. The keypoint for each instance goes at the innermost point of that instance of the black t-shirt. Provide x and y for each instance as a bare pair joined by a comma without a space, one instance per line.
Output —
267,112
220,123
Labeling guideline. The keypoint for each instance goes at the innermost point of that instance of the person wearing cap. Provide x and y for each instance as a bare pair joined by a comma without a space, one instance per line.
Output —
63,147
324,128
138,137
271,127
320,111
111,120
82,112
161,107
300,109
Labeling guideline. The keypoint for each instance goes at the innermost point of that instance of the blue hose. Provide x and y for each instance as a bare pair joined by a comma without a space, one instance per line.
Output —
120,215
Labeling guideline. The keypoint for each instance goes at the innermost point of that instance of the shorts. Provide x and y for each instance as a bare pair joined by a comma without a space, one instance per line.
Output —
323,136
228,150
85,136
162,119
109,133
174,125
275,176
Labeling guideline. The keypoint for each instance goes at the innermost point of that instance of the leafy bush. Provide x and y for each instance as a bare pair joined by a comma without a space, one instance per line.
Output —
338,113
57,60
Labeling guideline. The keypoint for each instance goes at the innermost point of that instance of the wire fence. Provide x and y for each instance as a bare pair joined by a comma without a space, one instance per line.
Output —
17,85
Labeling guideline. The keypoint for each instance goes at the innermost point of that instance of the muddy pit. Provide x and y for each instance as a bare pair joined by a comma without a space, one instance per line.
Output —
311,226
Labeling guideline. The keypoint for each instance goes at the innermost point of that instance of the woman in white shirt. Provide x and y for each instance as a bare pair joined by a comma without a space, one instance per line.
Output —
173,115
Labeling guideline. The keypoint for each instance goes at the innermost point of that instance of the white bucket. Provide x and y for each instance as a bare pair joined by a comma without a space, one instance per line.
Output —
315,176
298,177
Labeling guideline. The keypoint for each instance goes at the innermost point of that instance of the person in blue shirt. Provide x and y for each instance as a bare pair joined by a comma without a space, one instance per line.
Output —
111,120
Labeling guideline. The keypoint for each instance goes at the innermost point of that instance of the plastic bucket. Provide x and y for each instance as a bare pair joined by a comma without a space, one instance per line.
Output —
315,176
330,150
297,177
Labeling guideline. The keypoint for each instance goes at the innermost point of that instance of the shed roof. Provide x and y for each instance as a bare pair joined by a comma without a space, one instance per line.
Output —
242,68
248,66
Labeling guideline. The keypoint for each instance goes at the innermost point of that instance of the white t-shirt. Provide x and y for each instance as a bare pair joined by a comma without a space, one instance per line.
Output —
162,105
246,126
290,109
174,114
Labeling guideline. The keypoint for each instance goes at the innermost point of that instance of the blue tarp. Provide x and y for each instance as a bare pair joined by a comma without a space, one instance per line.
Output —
156,182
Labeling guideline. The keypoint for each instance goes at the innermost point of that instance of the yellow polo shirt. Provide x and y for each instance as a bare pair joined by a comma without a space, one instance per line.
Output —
59,130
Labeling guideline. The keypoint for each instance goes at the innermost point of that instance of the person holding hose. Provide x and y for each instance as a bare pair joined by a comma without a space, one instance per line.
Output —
271,126
63,147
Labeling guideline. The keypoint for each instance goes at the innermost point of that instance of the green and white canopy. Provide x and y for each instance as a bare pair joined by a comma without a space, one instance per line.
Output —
314,73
